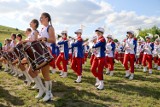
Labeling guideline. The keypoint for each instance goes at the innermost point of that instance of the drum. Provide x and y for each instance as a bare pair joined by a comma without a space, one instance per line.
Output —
19,51
11,56
37,54
4,55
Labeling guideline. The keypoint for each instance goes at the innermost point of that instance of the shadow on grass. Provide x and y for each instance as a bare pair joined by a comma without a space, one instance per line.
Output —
1,105
140,76
131,90
146,78
4,94
70,96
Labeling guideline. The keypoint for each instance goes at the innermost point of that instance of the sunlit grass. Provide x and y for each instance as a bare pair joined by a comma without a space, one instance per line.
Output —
143,91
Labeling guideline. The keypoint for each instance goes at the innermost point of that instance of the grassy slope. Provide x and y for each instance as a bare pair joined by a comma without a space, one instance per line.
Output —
5,32
143,91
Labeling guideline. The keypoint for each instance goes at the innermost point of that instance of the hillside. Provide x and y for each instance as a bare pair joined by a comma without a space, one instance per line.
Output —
5,32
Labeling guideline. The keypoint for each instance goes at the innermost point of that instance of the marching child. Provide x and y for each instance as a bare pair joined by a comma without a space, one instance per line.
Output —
63,56
110,49
99,60
77,56
147,57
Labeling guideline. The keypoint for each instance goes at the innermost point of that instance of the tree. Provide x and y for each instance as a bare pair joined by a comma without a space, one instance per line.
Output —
154,30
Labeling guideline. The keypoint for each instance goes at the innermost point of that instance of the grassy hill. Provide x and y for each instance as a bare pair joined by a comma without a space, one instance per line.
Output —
5,32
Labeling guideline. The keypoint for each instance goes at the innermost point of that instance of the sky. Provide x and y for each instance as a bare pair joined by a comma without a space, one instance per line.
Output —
116,16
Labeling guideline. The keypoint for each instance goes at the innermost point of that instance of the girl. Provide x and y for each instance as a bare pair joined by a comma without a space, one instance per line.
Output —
13,42
147,56
77,55
94,40
155,53
99,60
47,34
110,49
22,66
17,72
139,54
129,56
63,56
5,48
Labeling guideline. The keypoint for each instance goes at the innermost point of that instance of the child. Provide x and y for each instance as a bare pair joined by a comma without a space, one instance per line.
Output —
99,60
129,56
63,56
77,55
110,48
148,48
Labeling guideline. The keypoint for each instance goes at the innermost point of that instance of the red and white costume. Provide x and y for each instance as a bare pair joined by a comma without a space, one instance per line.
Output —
139,54
155,55
109,62
147,57
129,56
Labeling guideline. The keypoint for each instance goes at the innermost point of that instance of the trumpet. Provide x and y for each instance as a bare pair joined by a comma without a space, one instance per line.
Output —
71,38
58,36
86,41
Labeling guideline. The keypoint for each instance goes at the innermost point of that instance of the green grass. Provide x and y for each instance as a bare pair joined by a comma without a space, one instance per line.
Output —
143,91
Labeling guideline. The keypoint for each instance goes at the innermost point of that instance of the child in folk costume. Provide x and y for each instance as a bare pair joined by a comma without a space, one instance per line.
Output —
63,56
99,60
129,56
77,56
147,56
93,50
155,53
110,49
139,53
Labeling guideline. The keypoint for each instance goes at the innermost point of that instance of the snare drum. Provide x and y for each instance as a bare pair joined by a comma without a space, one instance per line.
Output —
37,54
19,51
11,56
4,55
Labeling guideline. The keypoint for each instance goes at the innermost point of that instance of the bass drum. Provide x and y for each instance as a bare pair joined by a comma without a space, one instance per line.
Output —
37,54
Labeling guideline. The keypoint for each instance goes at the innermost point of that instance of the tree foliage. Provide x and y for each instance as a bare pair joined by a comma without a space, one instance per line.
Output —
154,30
